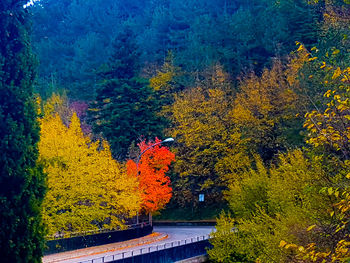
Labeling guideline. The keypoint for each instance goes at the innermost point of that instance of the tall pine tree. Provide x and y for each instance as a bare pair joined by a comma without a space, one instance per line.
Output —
21,179
125,108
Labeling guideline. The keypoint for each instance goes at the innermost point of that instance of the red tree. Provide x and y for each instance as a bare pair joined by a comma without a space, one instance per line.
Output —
154,185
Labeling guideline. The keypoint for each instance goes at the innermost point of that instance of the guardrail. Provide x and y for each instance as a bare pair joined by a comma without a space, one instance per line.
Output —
147,250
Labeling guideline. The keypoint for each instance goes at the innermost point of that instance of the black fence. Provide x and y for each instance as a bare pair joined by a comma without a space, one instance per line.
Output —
171,254
164,253
73,243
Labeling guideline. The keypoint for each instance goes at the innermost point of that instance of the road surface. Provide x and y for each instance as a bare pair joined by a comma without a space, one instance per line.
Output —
171,235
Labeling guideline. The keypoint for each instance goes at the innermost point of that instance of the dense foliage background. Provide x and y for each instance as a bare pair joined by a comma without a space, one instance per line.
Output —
75,39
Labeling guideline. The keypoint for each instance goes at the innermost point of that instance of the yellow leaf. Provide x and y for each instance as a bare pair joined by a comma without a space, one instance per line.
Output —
310,228
291,246
312,59
345,78
336,73
283,243
330,191
335,52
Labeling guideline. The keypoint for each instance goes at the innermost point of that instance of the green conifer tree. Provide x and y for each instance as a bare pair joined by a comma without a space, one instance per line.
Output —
125,108
21,179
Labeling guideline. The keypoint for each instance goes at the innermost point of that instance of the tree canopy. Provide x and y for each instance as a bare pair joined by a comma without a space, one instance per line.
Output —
87,188
150,171
22,181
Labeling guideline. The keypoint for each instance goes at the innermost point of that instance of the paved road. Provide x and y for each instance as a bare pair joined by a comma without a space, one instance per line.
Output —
183,232
175,235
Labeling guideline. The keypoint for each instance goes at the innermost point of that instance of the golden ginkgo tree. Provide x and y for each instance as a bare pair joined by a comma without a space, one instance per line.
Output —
87,188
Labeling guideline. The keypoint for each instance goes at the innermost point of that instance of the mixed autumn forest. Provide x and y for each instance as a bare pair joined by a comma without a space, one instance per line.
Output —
256,95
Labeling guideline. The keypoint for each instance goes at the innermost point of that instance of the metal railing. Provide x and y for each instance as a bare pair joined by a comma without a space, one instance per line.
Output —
141,251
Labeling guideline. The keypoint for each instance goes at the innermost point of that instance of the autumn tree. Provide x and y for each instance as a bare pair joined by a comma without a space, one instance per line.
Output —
297,208
270,204
266,109
154,184
59,103
328,119
209,147
22,182
330,128
166,81
87,188
328,134
336,244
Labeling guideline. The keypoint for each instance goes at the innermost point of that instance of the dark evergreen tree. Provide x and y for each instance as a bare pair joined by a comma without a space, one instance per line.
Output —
125,108
73,38
21,178
123,61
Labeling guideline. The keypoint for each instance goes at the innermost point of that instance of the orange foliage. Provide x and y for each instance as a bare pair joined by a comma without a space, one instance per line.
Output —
154,185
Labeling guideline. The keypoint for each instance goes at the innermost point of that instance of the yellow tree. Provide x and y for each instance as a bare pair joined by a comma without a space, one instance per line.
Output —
329,131
166,83
210,148
338,252
164,80
58,103
88,189
328,125
266,107
330,128
270,204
